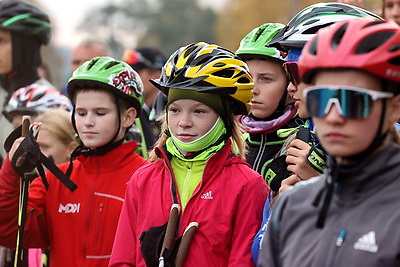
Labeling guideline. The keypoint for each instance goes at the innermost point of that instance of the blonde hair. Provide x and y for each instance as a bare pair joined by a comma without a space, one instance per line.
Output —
58,123
239,146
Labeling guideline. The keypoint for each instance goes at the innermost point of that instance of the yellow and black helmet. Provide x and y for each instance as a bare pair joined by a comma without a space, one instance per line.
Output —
208,68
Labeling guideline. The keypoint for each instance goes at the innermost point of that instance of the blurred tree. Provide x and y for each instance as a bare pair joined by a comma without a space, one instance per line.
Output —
164,24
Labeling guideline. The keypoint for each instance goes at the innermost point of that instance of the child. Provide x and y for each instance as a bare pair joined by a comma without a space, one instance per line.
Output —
348,216
198,169
272,108
79,226
24,30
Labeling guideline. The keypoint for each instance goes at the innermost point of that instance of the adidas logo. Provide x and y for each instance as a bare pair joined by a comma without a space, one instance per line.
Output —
367,243
207,195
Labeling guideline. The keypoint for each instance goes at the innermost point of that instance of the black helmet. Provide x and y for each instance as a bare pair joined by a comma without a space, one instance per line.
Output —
19,16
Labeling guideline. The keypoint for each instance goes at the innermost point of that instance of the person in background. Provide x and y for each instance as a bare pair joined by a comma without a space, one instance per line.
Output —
353,97
198,176
79,226
85,50
24,29
33,100
391,10
148,62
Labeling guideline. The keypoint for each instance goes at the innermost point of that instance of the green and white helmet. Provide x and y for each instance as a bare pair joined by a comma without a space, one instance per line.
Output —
254,43
111,74
305,24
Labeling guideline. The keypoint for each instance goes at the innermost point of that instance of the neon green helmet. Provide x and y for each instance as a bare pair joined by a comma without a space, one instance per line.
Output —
253,44
108,73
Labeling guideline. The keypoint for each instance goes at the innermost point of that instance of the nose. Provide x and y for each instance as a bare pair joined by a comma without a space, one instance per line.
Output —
333,115
89,120
256,91
185,121
291,89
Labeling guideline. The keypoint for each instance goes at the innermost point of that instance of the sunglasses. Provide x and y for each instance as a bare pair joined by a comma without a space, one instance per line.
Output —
292,72
351,102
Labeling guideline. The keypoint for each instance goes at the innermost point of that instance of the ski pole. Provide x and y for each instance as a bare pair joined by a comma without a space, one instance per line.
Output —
23,199
185,242
170,232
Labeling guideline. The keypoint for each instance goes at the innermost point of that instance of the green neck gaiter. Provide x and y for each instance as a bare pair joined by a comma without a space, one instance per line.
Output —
207,140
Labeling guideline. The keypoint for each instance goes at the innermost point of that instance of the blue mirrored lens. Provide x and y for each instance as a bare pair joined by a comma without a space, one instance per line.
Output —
353,104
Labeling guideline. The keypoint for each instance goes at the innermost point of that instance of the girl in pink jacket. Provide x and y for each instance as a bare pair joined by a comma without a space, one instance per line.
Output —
199,203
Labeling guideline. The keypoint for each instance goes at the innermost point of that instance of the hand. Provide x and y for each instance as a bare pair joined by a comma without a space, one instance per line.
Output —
296,158
288,183
14,147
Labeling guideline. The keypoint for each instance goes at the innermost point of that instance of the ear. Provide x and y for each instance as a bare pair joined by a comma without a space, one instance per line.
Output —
394,115
128,117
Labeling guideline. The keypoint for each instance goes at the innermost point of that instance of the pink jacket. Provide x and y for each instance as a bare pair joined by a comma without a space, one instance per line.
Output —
227,204
78,226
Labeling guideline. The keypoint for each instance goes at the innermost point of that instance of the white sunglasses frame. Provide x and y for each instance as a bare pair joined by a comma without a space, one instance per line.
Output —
375,95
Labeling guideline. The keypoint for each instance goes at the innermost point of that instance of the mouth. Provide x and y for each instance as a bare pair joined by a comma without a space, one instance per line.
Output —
255,102
335,136
185,136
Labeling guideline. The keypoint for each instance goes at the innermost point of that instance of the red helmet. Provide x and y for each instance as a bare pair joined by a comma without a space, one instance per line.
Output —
365,44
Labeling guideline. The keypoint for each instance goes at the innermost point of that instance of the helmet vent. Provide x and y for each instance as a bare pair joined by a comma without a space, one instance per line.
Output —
373,41
316,28
92,63
395,61
337,37
190,50
394,48
111,64
226,73
243,80
312,49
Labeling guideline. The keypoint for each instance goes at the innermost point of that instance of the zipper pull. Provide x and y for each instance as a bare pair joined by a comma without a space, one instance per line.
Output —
340,238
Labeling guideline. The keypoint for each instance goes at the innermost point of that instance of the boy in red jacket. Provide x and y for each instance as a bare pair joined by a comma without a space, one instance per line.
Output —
79,226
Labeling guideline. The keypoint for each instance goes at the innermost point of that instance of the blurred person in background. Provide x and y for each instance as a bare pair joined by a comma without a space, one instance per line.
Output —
391,10
148,62
24,29
84,51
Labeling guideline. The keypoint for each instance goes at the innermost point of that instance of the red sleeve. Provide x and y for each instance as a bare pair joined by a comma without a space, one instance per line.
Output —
35,234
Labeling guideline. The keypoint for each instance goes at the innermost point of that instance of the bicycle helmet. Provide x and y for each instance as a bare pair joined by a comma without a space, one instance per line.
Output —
303,26
253,44
108,73
35,99
19,16
208,68
374,49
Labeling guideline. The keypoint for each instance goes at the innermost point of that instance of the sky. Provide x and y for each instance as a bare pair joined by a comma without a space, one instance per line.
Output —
67,14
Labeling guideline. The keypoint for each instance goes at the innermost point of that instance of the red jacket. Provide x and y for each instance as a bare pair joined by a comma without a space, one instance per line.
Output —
227,204
78,226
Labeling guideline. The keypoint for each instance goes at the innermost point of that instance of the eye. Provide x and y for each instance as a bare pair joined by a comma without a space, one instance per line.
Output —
80,113
199,111
266,79
172,109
